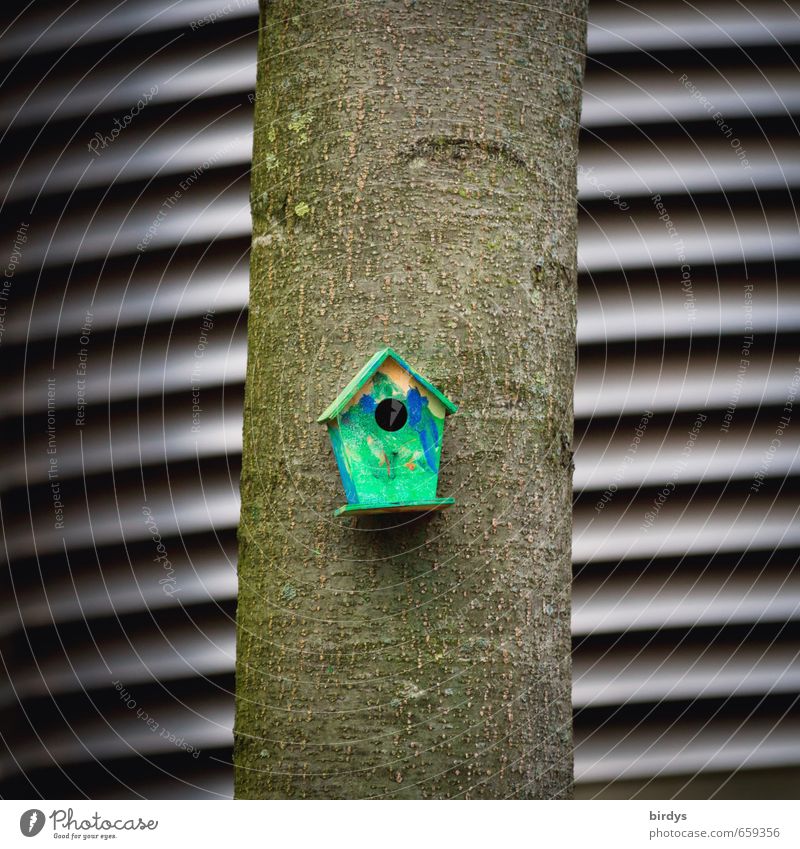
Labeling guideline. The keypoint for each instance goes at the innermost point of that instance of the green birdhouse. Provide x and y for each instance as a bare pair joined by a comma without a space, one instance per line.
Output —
386,429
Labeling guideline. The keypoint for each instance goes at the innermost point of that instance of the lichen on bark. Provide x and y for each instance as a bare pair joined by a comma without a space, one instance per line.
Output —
413,185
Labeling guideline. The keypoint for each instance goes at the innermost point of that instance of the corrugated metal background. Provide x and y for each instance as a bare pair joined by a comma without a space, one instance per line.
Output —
124,306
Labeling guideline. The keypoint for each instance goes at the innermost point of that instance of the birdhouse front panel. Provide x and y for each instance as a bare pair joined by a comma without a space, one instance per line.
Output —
386,434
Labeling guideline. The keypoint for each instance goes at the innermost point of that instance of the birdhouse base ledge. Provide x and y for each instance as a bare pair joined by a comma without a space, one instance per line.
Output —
406,507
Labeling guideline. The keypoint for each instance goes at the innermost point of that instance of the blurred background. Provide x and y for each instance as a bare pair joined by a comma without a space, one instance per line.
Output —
126,138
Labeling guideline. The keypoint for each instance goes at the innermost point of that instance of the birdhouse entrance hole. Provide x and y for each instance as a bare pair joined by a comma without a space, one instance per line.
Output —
391,414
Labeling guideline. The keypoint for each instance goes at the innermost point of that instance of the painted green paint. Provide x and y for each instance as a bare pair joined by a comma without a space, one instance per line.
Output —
382,470
387,507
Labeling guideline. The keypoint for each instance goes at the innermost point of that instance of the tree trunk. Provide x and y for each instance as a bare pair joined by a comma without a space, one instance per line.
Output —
413,185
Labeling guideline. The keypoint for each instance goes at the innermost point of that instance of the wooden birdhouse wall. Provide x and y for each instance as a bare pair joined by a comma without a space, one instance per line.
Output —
379,465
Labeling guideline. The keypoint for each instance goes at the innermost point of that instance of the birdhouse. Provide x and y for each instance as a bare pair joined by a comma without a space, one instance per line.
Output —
386,429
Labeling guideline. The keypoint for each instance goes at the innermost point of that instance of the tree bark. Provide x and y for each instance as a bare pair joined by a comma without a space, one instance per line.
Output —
413,185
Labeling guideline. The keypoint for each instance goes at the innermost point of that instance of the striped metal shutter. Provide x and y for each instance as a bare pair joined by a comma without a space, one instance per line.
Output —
127,135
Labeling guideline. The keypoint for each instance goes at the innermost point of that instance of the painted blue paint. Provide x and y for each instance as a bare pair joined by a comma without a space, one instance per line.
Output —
428,448
414,404
367,403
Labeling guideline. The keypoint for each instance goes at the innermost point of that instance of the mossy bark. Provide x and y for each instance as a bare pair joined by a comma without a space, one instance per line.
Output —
414,186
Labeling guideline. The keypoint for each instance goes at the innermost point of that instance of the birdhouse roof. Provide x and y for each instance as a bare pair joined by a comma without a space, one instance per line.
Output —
368,369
